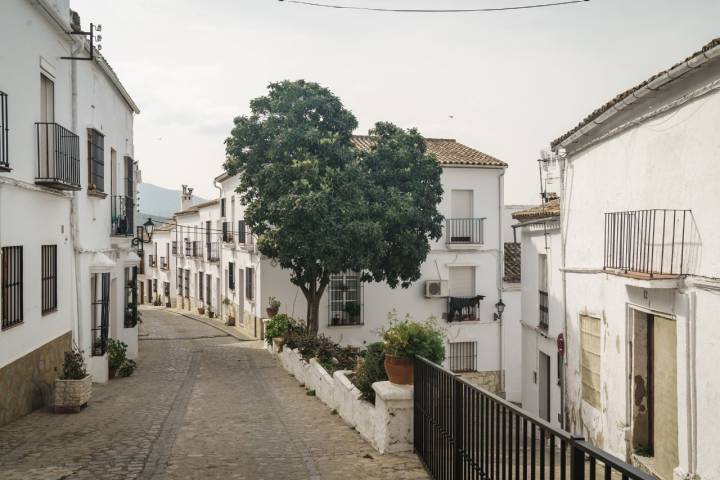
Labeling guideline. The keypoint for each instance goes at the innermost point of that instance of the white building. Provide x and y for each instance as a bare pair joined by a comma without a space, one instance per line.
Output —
67,189
461,278
641,270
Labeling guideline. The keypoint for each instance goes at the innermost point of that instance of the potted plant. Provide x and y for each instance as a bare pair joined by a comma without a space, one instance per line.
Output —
277,327
201,309
210,312
405,339
157,302
230,312
74,387
273,307
117,355
353,311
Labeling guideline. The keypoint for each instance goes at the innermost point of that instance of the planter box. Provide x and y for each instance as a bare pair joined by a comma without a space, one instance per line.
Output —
72,395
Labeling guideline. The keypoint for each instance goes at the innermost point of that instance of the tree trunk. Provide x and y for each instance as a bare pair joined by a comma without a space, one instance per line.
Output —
313,312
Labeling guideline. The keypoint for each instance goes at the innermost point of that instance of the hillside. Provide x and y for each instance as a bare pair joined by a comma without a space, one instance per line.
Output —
160,202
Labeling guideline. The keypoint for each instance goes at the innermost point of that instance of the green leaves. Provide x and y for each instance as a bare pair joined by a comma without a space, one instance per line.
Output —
320,205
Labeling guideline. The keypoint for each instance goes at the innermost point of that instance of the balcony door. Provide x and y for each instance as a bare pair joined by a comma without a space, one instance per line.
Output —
46,133
462,282
461,204
47,100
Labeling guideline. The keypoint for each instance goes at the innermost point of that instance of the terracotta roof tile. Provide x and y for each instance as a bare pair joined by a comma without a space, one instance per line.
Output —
447,151
549,209
512,262
618,98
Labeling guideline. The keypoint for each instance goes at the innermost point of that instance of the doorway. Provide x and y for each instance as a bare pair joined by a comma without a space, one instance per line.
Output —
544,386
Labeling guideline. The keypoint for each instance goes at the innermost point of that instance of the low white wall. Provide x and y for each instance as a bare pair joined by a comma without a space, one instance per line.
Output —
387,425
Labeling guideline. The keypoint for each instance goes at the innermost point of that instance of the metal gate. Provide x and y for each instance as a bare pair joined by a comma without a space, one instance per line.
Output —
462,432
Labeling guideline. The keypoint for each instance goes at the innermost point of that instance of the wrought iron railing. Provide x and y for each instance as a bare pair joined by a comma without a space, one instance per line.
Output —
464,309
4,141
152,260
213,252
227,232
544,322
188,248
122,209
164,263
652,242
463,432
464,230
173,247
58,154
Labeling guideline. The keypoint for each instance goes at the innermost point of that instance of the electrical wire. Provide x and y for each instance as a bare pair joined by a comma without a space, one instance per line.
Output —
421,10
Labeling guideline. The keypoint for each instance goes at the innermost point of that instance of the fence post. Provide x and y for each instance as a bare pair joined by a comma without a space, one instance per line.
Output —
459,441
577,459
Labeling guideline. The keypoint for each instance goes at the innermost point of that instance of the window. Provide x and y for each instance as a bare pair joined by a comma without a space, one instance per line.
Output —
222,207
590,360
4,160
166,290
208,287
241,231
231,275
180,281
187,283
345,299
48,278
100,291
463,302
155,285
250,283
463,356
543,291
96,160
131,297
11,276
200,295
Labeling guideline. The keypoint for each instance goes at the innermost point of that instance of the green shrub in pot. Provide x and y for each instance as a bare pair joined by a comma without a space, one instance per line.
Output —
278,326
405,339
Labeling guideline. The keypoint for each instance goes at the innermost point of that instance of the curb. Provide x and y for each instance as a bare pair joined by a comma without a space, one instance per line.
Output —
236,335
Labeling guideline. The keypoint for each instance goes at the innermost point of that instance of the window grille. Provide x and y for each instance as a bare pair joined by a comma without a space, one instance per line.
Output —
100,291
48,278
12,286
463,356
345,299
96,160
4,156
250,283
187,283
222,207
241,231
231,275
200,294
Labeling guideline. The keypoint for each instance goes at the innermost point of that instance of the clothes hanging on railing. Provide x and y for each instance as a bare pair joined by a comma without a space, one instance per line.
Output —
461,308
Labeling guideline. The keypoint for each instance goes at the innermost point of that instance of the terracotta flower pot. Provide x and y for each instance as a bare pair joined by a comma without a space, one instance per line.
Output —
399,369
271,312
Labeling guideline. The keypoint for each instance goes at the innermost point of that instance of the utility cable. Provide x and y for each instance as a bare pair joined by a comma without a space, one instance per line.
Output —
422,10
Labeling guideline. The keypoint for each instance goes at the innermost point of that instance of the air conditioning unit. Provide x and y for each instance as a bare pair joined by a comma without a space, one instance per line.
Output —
436,288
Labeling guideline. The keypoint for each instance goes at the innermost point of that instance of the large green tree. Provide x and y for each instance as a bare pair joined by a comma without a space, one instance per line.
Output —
321,205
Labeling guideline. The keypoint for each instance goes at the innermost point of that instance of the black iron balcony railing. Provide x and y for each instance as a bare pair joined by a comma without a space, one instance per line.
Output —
197,248
463,432
213,252
188,248
4,148
464,309
464,230
544,311
58,151
122,210
227,233
652,242
152,260
164,265
173,247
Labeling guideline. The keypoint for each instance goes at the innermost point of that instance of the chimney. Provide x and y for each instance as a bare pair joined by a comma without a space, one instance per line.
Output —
186,197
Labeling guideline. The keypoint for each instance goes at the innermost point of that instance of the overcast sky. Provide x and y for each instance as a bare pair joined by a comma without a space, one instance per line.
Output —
504,83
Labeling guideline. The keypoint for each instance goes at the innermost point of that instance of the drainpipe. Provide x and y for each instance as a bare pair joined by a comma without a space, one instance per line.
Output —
563,229
220,256
74,217
501,254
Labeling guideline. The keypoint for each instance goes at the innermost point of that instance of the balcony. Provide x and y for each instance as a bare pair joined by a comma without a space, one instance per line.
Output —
544,322
213,252
174,247
197,249
188,248
152,260
58,151
227,233
464,309
464,231
649,243
164,265
122,210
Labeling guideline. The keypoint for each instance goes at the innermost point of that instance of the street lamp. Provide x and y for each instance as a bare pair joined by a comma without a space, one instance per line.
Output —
144,234
500,307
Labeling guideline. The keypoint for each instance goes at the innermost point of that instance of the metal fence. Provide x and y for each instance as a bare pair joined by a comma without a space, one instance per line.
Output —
647,241
462,432
58,151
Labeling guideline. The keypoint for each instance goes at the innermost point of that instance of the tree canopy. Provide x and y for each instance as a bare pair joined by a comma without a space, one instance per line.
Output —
319,204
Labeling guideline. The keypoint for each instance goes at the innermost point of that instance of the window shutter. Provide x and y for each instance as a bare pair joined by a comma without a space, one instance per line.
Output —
231,275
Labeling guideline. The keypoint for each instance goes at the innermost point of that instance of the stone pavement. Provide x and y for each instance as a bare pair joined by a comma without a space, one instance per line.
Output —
201,405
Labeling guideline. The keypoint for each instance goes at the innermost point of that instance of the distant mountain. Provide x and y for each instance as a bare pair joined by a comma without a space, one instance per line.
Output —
159,202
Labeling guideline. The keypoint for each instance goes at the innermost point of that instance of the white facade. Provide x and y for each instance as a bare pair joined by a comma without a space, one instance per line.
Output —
36,210
657,149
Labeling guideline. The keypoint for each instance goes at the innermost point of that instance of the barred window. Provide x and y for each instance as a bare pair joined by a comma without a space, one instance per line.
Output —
100,291
202,281
222,207
96,160
463,356
345,299
250,283
241,231
48,278
187,283
4,160
11,278
231,275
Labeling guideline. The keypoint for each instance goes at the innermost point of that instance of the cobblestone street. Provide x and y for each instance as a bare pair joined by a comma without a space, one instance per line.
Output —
201,405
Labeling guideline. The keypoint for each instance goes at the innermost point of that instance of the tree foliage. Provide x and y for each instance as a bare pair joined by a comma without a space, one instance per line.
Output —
319,204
